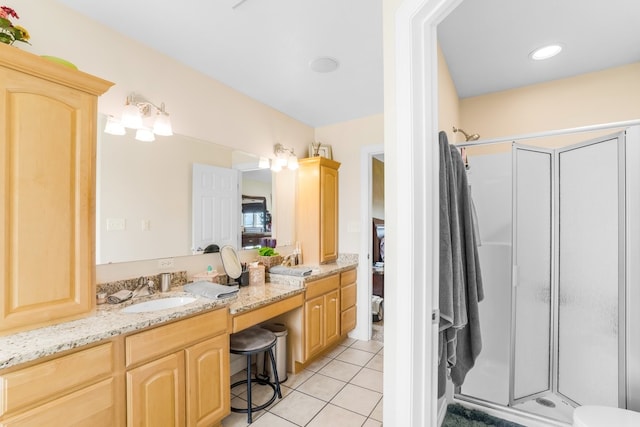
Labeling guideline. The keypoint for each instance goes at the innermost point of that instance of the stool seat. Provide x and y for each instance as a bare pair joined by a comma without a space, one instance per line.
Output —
253,340
249,342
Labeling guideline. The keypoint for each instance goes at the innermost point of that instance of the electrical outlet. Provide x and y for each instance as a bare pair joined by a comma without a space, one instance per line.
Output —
165,263
116,224
145,224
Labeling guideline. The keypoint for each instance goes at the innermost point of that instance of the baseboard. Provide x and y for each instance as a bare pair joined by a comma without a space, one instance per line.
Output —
442,410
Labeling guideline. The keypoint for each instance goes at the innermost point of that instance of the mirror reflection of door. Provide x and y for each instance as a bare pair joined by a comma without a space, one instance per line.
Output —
215,206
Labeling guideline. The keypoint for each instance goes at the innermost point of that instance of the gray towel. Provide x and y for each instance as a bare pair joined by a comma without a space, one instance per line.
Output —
468,342
211,290
452,306
459,270
290,271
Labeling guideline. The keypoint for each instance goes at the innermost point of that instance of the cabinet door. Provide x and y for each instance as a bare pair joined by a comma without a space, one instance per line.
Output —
314,326
155,393
47,152
332,314
328,214
208,396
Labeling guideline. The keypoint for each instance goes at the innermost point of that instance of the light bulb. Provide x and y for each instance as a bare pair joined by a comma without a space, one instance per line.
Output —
162,125
131,117
114,127
145,135
292,163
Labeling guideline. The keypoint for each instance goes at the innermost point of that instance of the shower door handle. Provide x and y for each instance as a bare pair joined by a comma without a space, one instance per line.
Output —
514,276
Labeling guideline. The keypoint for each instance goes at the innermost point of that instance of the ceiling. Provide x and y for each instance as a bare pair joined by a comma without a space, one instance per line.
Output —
264,48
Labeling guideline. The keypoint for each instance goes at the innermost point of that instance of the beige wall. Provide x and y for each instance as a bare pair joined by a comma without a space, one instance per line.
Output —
377,189
199,106
606,96
448,103
346,140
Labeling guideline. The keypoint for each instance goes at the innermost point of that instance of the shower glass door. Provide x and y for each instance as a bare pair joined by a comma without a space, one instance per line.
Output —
589,280
532,273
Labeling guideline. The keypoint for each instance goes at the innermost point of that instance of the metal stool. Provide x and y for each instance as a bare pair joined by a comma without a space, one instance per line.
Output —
249,342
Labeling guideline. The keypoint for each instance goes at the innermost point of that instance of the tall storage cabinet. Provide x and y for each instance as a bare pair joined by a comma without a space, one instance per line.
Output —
317,210
48,116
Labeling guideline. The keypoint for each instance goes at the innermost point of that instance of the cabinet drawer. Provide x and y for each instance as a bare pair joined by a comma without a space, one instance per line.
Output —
348,320
348,277
322,286
48,380
158,341
262,314
347,296
93,406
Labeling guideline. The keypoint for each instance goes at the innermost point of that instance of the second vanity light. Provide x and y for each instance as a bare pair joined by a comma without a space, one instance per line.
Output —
135,109
285,157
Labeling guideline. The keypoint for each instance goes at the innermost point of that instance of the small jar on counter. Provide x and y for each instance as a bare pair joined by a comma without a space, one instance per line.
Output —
101,298
256,274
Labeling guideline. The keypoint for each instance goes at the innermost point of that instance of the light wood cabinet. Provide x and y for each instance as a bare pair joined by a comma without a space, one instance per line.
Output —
317,210
348,294
178,374
81,388
155,393
322,316
208,383
48,131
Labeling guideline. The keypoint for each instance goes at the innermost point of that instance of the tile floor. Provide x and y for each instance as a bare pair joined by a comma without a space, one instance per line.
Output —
344,389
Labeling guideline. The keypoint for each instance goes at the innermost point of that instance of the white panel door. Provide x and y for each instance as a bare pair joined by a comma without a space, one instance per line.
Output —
216,206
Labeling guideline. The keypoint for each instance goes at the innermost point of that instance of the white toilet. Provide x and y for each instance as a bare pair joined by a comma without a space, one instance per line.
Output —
605,416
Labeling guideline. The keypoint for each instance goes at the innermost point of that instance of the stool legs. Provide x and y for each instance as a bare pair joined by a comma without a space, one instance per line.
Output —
277,392
275,372
249,416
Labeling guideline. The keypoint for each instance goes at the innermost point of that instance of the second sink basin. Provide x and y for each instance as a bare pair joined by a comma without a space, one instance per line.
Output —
158,304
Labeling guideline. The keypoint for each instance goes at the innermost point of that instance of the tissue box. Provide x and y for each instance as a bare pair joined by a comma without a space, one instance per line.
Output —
256,275
270,261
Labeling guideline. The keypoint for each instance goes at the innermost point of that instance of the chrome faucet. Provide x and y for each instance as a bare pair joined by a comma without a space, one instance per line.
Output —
145,287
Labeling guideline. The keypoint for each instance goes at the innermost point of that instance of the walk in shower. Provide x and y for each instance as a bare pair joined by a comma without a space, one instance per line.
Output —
559,226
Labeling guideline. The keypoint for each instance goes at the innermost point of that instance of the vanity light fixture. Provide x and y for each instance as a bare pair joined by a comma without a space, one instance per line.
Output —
133,113
264,163
145,135
114,126
285,157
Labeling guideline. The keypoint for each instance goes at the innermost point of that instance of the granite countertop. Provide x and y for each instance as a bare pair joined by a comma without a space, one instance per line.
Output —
108,321
105,322
344,263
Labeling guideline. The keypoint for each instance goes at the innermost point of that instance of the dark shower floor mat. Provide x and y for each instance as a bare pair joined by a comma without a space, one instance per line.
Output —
459,416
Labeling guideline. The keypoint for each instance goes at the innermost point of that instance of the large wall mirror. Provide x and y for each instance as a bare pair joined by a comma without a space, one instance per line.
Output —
143,197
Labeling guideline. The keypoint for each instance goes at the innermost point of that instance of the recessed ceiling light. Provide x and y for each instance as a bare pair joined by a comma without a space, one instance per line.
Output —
545,52
324,64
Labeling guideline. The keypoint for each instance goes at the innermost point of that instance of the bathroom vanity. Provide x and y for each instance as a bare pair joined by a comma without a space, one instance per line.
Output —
115,368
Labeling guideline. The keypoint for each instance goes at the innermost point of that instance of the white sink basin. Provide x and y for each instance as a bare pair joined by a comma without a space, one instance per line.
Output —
158,304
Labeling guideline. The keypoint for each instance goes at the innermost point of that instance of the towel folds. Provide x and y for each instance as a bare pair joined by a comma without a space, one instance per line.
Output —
290,271
460,284
211,290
